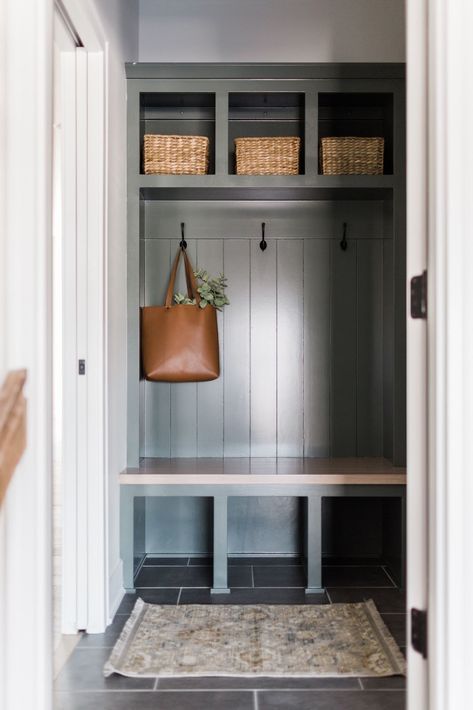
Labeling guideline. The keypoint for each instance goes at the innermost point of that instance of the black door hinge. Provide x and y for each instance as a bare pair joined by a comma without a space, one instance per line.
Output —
419,631
81,367
419,296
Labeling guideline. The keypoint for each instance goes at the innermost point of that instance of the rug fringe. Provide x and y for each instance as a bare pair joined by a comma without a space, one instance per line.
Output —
121,645
386,637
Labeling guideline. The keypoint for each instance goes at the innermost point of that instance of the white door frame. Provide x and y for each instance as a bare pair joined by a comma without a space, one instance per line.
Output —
450,263
85,520
440,435
416,424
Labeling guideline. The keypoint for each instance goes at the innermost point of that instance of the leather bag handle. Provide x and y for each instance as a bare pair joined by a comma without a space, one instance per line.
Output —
190,279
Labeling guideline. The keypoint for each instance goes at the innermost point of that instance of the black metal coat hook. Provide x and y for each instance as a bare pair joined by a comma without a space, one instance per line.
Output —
263,244
182,243
344,242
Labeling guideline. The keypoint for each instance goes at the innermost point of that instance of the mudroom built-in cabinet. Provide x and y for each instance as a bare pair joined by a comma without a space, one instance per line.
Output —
312,345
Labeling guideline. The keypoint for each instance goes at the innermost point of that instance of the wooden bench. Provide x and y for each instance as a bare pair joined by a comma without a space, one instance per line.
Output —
220,479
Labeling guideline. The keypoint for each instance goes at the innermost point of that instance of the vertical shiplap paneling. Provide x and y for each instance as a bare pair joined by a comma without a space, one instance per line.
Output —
343,350
302,360
210,394
263,350
143,383
388,347
316,347
290,300
236,353
157,394
184,394
370,348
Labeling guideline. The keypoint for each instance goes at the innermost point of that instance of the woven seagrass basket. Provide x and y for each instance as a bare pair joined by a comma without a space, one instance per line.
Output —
267,156
175,155
352,156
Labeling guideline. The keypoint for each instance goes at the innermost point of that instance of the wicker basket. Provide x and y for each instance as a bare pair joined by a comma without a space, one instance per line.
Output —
352,156
176,155
267,156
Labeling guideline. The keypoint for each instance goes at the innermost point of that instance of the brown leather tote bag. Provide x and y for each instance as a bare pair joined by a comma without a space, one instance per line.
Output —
179,343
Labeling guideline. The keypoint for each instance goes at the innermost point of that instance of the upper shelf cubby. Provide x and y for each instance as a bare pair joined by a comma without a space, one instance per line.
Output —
265,115
183,114
357,114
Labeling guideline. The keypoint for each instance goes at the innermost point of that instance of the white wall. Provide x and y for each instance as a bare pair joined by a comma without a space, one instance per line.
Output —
271,31
119,19
25,277
120,24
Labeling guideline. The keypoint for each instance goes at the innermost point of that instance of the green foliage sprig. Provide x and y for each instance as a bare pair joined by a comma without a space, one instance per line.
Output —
211,291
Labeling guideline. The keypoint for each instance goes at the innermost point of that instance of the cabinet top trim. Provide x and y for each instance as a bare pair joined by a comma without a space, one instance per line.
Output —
354,70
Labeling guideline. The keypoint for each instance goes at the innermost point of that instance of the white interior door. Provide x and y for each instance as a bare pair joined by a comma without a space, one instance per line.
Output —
64,299
79,340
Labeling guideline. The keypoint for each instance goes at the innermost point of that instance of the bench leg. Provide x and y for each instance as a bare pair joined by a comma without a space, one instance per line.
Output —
127,536
314,545
220,560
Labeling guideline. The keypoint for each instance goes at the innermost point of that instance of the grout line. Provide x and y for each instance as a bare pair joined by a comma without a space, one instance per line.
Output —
325,564
229,690
296,586
361,684
255,700
388,575
358,586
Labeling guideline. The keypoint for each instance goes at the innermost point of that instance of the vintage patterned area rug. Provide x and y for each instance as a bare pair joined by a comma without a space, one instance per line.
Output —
201,640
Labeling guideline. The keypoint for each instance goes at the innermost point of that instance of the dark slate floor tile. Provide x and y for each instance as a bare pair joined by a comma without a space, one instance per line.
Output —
258,683
396,623
83,671
386,600
394,682
263,561
237,561
107,639
337,561
152,596
166,561
331,700
201,561
279,576
355,577
174,577
296,595
190,577
167,700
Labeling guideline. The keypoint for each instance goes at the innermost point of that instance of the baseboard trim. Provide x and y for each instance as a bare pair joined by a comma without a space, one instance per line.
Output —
116,590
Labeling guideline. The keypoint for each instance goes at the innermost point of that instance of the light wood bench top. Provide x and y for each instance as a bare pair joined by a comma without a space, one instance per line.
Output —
257,471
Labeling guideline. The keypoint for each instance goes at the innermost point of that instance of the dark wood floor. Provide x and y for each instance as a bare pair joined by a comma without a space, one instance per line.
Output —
81,685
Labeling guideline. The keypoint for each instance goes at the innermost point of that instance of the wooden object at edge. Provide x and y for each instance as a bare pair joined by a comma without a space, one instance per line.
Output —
12,427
